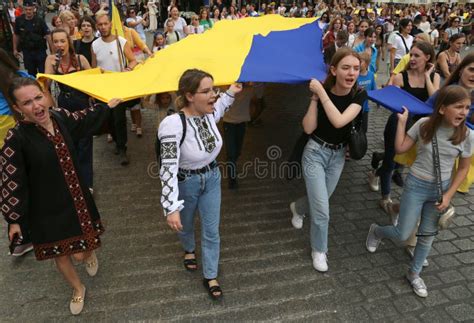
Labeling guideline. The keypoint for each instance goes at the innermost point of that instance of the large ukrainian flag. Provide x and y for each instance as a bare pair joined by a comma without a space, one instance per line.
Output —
265,49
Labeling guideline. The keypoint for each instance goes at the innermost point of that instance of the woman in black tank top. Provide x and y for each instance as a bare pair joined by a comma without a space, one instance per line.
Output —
70,98
419,78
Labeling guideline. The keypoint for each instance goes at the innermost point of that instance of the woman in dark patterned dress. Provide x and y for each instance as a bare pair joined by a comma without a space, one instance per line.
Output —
40,185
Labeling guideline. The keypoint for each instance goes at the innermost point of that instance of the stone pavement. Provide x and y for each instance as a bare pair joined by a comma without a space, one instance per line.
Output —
266,271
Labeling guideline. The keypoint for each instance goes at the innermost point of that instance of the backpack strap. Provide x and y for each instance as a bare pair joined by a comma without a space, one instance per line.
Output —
183,123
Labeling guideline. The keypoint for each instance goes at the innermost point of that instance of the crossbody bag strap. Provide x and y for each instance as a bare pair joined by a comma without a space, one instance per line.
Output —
404,43
437,168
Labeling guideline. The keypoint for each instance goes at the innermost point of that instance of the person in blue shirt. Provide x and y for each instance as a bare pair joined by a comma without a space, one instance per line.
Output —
368,46
366,80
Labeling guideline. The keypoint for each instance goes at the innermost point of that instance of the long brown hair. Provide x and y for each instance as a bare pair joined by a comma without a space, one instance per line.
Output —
71,51
427,49
456,74
189,83
340,54
448,95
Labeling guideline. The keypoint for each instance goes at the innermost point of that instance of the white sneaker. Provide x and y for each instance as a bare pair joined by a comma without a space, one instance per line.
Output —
133,128
297,219
373,182
319,261
418,285
372,241
411,252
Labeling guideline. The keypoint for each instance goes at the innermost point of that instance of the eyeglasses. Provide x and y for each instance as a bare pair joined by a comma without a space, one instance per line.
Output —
457,20
215,90
132,12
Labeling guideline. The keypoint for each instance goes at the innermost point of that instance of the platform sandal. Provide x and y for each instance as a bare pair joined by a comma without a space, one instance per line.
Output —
190,263
214,291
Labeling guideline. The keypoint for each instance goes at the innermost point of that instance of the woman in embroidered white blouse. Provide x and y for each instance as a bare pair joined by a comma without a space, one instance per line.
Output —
191,181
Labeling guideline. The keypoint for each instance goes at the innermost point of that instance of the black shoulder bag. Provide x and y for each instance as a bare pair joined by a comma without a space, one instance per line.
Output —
447,215
357,138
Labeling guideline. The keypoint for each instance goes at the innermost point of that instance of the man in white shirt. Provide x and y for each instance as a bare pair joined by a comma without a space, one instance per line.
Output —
425,24
400,43
106,55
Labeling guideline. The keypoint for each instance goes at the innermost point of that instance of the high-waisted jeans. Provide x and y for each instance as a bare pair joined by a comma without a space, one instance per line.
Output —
417,203
322,168
202,192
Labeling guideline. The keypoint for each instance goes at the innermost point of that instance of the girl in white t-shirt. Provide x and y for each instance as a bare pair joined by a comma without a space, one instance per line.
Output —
159,42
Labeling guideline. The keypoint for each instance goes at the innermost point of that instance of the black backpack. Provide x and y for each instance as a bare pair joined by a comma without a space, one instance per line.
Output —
158,142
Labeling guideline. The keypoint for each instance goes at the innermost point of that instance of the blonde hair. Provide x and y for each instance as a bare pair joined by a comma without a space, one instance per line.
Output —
364,56
100,14
66,14
423,37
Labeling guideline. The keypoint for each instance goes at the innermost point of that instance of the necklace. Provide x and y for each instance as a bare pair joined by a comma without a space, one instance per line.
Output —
65,70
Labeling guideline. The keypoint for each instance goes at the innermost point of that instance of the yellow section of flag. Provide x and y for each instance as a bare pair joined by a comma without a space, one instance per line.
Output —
116,23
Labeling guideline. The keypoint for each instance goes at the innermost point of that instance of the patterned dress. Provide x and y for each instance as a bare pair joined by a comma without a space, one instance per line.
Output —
41,188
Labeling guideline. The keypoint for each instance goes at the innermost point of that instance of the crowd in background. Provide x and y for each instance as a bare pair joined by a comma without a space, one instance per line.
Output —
421,45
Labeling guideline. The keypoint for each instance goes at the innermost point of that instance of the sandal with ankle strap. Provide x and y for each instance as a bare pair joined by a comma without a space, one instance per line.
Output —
190,264
212,290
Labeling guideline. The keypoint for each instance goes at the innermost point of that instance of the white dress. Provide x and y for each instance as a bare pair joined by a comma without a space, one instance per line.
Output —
152,10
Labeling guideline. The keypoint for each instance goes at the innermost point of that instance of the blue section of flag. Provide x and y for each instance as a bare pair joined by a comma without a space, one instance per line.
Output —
290,56
394,98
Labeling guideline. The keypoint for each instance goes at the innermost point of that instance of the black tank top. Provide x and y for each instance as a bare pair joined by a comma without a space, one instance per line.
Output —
420,93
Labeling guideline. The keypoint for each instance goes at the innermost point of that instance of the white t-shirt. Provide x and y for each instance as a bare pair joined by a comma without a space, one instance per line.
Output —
452,31
448,152
138,28
107,54
396,41
425,26
179,26
195,30
433,35
200,147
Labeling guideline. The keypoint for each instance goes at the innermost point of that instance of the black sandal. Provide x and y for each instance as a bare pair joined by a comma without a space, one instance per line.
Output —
190,264
213,289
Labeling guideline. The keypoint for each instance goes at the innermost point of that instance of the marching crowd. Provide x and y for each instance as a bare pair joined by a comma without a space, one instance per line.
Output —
48,148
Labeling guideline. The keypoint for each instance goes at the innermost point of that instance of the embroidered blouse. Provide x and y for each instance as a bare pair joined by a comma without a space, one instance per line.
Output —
201,146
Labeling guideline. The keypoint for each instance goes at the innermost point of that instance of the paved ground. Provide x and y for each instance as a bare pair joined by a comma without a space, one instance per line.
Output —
266,270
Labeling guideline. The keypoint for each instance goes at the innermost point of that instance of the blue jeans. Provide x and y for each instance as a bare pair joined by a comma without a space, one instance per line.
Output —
322,168
388,165
418,200
202,192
